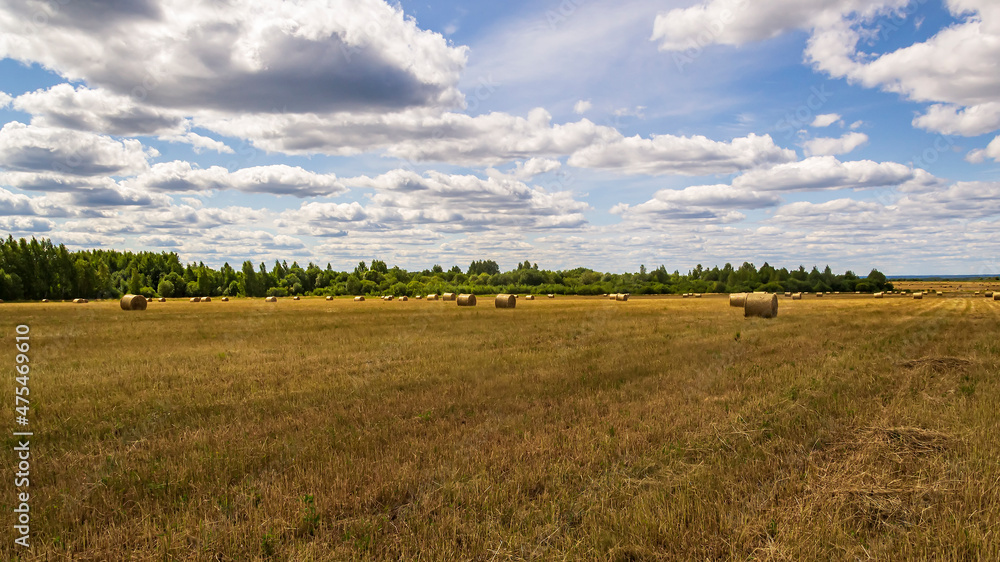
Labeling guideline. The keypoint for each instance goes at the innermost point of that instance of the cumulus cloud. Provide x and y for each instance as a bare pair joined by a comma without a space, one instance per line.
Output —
826,173
452,203
824,146
701,202
30,148
991,151
179,176
241,56
669,154
97,111
582,107
825,120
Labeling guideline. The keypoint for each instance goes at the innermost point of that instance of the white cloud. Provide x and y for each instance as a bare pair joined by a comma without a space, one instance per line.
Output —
952,119
699,203
992,150
278,179
97,111
582,107
199,142
29,148
826,172
669,154
737,22
243,56
5,99
826,120
834,146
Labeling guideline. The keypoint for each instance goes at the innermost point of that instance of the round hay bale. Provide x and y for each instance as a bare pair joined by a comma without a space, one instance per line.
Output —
133,302
612,297
195,299
505,301
225,299
432,297
796,296
622,297
996,296
418,297
550,295
206,299
697,295
359,299
740,299
296,298
989,294
271,299
161,299
529,298
918,296
819,294
466,300
404,298
788,293
878,295
329,298
43,300
761,306
448,297
685,295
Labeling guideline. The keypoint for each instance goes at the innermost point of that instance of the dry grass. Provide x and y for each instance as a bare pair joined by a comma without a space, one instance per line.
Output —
572,429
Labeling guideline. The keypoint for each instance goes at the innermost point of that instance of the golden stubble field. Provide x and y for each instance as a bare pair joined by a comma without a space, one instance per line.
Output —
565,429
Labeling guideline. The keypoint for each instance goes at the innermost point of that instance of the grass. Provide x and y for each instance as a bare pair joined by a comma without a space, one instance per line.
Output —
571,428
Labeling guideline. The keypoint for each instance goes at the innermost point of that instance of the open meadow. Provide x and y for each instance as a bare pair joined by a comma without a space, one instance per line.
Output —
574,428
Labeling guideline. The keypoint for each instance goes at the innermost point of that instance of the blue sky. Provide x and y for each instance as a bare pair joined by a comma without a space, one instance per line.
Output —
852,133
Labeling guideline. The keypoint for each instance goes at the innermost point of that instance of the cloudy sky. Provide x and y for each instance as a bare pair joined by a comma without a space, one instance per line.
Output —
855,133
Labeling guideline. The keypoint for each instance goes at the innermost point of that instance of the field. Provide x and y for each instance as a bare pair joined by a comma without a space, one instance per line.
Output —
564,429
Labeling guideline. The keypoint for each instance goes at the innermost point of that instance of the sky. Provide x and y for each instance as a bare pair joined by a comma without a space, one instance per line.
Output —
571,133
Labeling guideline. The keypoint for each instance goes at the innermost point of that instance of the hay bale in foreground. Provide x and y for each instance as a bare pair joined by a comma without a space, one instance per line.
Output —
622,297
796,296
271,299
206,299
996,296
133,302
466,300
740,299
359,299
918,296
448,297
504,300
878,295
761,306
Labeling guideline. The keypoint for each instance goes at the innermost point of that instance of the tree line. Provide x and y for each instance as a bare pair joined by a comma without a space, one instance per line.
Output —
38,269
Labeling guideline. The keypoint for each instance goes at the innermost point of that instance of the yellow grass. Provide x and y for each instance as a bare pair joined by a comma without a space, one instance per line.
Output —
566,429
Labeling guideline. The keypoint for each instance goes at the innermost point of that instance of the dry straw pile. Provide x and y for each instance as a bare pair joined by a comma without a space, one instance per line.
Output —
761,306
448,297
466,300
740,299
133,302
506,301
271,299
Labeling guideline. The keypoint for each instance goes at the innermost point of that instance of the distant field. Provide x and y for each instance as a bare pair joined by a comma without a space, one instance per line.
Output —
567,428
